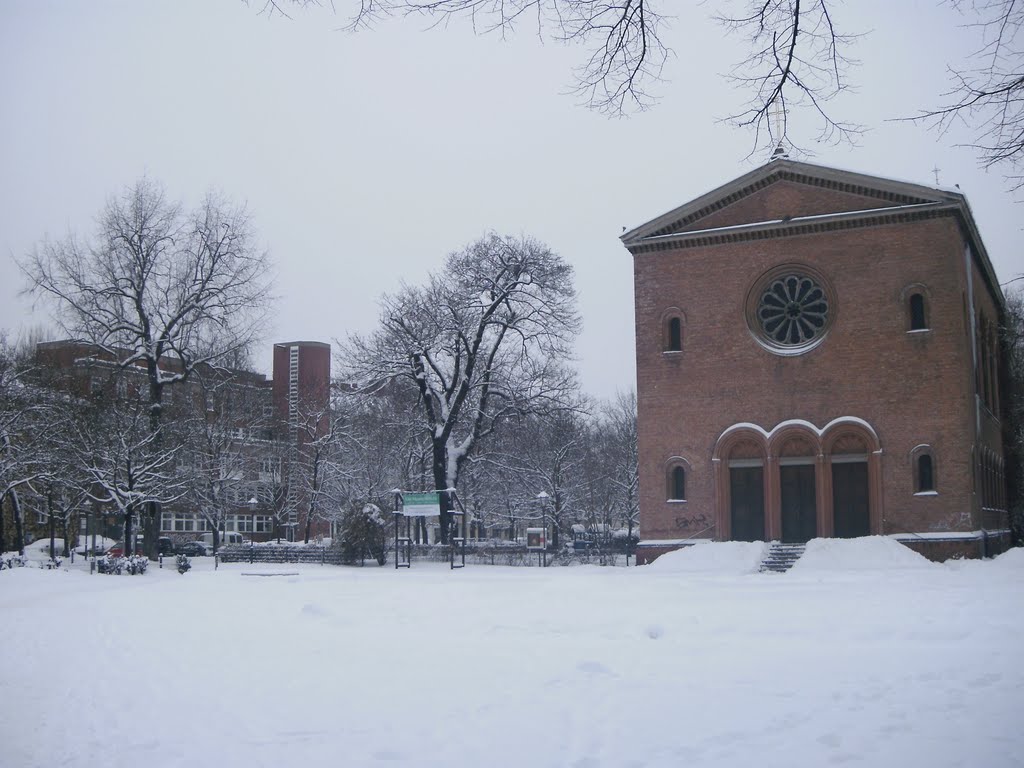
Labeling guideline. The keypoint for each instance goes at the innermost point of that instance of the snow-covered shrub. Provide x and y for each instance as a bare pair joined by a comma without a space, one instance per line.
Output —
52,563
182,563
133,564
365,532
13,561
109,564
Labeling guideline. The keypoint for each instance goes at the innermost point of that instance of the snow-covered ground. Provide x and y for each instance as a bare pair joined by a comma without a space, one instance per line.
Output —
864,654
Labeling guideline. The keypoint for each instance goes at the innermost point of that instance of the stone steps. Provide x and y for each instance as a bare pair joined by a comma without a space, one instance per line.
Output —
780,557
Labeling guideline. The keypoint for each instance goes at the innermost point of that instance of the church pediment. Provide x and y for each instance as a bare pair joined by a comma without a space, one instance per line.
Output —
783,191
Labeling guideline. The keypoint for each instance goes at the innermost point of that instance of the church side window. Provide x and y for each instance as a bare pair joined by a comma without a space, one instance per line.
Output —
924,470
675,335
673,323
677,483
918,317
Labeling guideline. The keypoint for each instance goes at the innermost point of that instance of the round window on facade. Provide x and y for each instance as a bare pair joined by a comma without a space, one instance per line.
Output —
790,309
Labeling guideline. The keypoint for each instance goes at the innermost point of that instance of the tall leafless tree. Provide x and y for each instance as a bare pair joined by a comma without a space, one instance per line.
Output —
25,417
798,59
485,338
622,39
223,448
157,287
987,91
1012,383
115,453
617,477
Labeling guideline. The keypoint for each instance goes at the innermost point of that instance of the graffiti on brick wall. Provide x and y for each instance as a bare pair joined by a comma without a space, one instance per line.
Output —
697,522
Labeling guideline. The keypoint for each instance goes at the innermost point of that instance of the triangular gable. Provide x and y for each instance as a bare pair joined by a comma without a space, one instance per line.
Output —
784,197
784,189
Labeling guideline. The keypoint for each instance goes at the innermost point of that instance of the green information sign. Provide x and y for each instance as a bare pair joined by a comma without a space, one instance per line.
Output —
421,504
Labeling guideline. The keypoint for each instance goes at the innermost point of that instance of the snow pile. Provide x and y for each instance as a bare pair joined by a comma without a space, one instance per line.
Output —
869,553
1011,561
724,557
513,667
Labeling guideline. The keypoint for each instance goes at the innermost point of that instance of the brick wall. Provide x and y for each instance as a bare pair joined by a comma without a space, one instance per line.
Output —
912,388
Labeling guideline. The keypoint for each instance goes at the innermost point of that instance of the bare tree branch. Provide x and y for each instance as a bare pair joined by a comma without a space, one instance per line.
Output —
987,94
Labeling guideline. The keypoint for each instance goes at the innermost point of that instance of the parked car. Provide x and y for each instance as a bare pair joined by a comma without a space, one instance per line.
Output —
193,548
165,545
118,549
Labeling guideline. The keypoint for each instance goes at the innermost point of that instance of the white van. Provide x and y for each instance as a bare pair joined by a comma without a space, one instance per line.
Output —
228,539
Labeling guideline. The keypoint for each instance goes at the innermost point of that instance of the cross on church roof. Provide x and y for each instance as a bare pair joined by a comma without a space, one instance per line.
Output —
777,112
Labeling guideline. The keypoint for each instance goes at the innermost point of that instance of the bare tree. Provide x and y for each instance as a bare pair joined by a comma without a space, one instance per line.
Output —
24,419
624,52
617,478
987,92
157,288
1012,383
113,448
485,338
313,466
382,447
797,60
223,447
545,458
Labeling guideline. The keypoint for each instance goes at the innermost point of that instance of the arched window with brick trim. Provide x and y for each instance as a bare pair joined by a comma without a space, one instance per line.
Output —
673,330
675,479
923,461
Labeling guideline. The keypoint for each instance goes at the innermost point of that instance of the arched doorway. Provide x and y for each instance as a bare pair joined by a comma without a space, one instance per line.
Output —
851,515
746,492
798,482
798,489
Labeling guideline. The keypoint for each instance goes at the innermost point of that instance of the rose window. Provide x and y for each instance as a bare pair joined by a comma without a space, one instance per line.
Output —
793,310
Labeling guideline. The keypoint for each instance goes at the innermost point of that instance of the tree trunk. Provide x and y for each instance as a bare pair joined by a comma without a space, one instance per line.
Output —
309,518
151,523
53,525
3,533
19,524
440,467
129,545
67,535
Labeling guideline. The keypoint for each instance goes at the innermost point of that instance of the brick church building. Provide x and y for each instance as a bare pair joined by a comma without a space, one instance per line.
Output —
817,356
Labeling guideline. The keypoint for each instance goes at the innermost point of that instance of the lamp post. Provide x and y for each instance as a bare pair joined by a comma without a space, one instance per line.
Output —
252,528
543,498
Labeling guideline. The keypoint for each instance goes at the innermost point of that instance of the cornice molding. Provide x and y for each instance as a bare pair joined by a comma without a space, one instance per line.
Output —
792,228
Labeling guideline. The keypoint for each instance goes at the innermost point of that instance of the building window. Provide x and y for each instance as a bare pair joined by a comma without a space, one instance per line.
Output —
677,483
790,309
675,335
924,470
793,310
925,473
673,323
182,522
918,317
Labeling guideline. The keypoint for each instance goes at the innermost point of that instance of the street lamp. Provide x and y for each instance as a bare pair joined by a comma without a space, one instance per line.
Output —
252,528
543,497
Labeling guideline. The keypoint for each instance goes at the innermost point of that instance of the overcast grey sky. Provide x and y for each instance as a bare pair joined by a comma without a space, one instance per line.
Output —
365,158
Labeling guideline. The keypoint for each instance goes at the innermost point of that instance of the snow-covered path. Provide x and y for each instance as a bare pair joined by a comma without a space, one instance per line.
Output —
694,661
